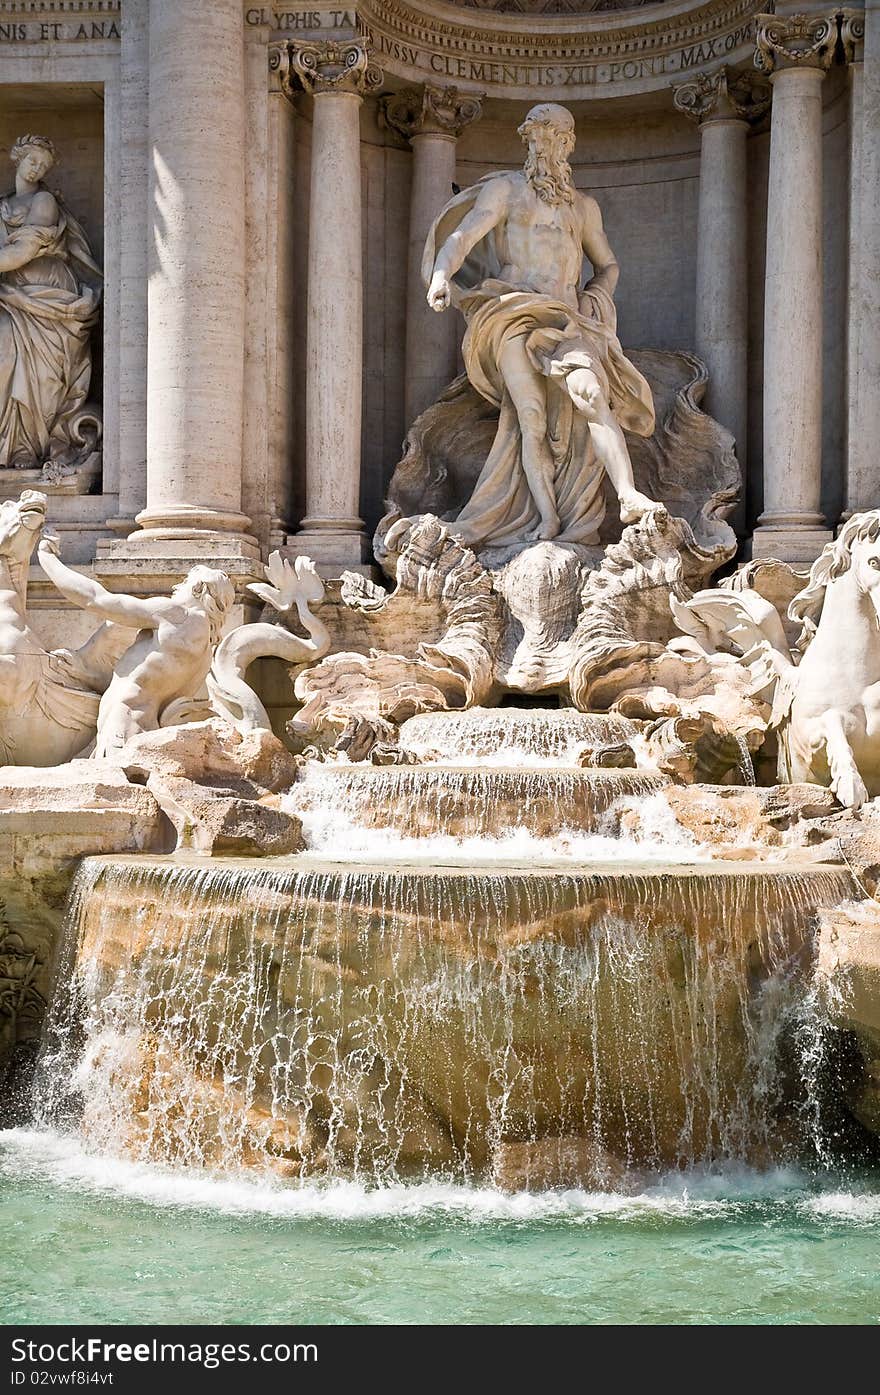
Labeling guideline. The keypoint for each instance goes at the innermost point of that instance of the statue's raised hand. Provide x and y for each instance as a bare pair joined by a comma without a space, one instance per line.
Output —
49,545
439,292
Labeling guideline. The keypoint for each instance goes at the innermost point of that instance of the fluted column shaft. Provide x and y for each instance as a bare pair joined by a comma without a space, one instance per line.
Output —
797,53
722,288
724,104
431,118
196,295
861,36
338,76
430,338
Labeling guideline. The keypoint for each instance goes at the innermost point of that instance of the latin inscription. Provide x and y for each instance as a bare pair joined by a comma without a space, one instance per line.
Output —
562,74
288,20
52,33
432,62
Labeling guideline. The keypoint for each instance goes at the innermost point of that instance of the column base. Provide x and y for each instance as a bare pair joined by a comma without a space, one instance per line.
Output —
333,551
185,533
789,542
168,543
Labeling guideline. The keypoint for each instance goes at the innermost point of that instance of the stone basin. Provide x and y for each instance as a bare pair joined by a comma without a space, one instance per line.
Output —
304,1016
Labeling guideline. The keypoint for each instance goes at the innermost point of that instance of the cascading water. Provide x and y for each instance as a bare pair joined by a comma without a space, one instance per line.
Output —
512,736
312,1018
441,801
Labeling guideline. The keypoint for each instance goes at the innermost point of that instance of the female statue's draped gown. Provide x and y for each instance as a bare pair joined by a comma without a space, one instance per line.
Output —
47,310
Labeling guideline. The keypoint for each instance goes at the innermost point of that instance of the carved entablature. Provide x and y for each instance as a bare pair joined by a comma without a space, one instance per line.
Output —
543,57
429,110
37,25
723,96
795,41
325,65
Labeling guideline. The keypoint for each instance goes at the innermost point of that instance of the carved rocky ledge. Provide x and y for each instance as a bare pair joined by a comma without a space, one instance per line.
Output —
588,623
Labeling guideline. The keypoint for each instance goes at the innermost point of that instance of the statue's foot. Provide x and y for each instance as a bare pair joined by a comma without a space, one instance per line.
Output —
850,789
547,529
634,506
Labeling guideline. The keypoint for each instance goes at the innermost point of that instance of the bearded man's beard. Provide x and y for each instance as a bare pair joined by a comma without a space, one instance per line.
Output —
550,176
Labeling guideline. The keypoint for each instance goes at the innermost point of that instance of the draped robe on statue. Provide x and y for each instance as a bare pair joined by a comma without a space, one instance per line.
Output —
558,340
47,309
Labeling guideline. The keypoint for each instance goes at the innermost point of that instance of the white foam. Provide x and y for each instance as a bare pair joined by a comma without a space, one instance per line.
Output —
660,838
61,1161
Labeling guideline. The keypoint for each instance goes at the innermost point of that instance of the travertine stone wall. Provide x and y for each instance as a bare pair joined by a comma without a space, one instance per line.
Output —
79,72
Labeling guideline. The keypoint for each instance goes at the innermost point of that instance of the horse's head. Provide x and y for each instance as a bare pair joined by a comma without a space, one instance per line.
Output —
855,552
20,523
865,560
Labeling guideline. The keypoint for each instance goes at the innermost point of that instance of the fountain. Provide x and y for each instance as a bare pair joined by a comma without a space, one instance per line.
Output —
318,1018
532,894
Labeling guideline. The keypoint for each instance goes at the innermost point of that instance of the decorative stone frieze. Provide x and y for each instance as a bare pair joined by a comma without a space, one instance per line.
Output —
328,66
430,110
795,41
558,56
724,95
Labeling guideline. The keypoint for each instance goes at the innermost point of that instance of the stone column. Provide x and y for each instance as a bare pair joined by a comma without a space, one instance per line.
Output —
338,76
860,35
195,349
431,119
723,104
795,52
134,251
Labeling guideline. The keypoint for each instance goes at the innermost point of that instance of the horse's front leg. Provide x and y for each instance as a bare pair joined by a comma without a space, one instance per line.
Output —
846,782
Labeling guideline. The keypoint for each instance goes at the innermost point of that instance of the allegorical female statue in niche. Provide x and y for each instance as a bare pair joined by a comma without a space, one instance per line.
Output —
50,289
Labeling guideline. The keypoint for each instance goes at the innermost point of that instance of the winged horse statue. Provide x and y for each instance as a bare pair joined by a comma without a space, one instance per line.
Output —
825,693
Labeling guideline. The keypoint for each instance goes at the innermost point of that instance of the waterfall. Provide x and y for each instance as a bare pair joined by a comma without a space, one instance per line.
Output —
473,802
307,1018
513,736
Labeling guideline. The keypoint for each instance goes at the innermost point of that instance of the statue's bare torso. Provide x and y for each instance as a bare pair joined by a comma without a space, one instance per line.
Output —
155,669
540,245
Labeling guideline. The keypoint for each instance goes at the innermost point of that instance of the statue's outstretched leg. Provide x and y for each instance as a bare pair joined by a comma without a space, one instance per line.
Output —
589,397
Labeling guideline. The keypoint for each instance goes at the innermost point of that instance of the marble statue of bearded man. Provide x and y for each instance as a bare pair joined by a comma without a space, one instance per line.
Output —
509,253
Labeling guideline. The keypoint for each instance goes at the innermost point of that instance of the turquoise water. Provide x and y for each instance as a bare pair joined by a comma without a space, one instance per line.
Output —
87,1239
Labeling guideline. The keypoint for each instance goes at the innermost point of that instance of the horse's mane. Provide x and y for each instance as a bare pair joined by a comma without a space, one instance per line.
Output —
834,559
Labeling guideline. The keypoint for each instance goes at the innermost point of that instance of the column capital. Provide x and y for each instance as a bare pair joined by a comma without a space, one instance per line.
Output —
279,68
326,65
725,95
795,41
852,34
442,111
